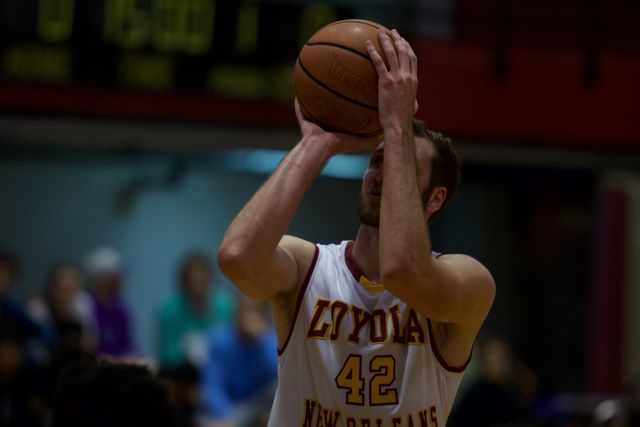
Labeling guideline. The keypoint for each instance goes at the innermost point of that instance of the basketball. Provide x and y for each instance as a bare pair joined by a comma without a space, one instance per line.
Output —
335,81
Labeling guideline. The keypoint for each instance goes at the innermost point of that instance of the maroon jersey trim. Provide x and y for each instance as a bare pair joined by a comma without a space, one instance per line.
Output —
351,264
301,292
440,359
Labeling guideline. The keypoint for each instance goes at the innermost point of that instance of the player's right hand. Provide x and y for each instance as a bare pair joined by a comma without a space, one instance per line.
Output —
339,142
397,83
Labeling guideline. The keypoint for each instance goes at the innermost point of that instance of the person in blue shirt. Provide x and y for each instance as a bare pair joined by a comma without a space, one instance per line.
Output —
15,317
190,312
239,378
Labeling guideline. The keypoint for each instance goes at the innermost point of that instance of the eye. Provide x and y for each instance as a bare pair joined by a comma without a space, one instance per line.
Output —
375,161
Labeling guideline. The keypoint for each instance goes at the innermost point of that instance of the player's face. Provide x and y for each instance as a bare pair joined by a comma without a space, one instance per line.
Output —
371,192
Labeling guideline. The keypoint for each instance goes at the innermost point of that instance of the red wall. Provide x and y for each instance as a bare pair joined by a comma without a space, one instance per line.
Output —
543,97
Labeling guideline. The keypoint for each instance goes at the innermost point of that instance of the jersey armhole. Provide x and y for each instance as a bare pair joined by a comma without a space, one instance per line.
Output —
438,355
301,291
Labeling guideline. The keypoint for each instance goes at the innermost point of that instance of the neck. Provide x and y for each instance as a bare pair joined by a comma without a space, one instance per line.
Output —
366,252
197,303
104,298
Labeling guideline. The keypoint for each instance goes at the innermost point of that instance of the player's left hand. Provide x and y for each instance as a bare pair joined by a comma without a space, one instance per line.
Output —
340,142
397,83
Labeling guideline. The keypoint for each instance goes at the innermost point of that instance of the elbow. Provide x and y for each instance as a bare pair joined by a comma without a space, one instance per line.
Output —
237,264
232,261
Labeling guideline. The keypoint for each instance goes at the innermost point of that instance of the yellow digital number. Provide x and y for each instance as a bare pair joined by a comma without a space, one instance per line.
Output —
384,368
168,20
146,71
247,28
183,25
200,31
350,379
55,19
126,23
314,17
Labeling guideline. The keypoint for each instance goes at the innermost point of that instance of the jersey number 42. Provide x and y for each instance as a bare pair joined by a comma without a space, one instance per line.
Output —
382,374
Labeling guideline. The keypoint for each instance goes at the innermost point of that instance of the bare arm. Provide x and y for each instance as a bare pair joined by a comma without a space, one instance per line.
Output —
255,254
454,289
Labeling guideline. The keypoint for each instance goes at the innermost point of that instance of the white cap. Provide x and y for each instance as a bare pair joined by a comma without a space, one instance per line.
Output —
103,261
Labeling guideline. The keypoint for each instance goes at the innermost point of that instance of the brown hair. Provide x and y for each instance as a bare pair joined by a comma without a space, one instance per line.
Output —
191,260
9,262
445,164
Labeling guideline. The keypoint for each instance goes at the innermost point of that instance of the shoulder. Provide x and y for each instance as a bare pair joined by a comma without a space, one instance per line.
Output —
306,252
270,338
468,268
37,309
171,304
82,300
122,307
222,338
12,303
303,252
219,297
299,249
471,283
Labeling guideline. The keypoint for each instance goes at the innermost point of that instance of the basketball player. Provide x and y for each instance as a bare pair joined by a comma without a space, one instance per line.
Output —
376,332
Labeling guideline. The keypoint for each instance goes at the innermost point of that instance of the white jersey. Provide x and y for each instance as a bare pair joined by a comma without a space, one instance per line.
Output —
358,356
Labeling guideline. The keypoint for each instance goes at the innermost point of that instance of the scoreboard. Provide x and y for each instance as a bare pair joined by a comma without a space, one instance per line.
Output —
237,49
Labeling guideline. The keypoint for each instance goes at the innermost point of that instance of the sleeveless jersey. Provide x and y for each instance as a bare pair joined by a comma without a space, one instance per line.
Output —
358,356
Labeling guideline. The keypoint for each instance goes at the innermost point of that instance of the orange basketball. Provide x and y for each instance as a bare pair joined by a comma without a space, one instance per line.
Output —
335,81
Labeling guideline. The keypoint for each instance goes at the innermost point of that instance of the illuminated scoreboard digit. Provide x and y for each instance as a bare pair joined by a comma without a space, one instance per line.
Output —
238,48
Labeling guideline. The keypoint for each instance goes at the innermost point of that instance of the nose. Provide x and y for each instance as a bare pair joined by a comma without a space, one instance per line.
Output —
377,175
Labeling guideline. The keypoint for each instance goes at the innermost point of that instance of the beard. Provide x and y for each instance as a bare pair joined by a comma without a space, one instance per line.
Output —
368,212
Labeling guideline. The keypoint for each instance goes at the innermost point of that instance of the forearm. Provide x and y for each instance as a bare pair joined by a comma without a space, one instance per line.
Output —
457,289
404,239
256,231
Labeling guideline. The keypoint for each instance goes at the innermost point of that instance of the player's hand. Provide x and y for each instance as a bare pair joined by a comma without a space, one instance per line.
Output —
339,142
397,83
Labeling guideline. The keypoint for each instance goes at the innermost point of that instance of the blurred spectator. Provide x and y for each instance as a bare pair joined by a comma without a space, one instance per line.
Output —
64,300
240,376
14,315
111,395
620,411
106,271
191,312
68,350
633,404
493,399
21,404
183,383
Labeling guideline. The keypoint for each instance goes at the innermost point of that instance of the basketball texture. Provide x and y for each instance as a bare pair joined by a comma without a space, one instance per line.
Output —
335,81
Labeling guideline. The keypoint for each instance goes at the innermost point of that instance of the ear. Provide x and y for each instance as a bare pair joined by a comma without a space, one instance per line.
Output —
436,200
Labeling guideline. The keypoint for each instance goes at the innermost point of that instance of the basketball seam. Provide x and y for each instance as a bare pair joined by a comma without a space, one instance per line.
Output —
336,93
359,21
340,47
329,128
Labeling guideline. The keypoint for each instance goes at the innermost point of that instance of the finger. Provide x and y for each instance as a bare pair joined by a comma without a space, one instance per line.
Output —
381,68
413,59
414,62
297,108
388,49
302,119
402,51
